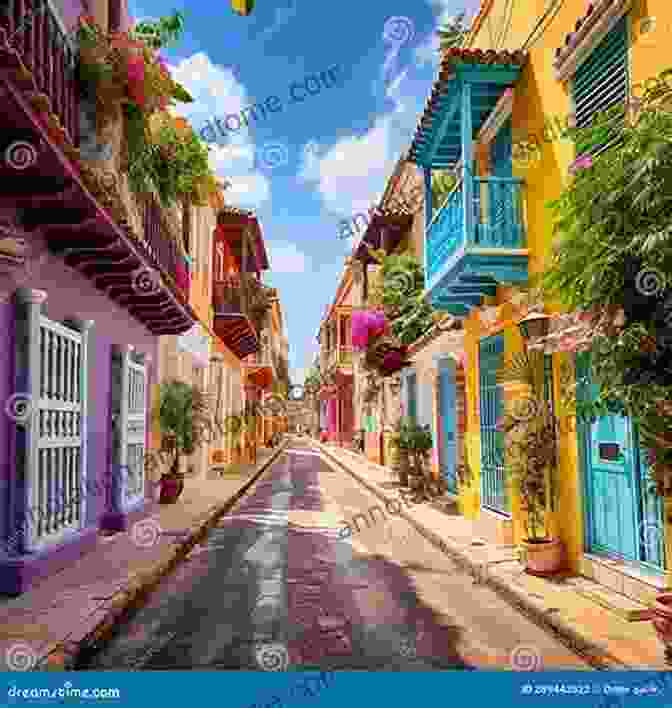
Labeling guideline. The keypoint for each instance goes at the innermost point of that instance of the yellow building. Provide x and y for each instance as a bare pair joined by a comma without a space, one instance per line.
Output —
493,236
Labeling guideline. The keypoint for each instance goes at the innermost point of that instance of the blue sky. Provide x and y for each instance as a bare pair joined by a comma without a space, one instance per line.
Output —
311,164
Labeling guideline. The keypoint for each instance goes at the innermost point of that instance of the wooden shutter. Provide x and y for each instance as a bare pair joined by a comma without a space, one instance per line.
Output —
601,82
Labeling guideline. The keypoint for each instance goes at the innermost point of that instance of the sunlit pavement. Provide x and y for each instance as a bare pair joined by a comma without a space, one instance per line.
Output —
278,586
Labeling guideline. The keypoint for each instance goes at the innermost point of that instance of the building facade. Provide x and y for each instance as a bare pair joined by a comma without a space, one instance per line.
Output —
493,236
93,275
337,389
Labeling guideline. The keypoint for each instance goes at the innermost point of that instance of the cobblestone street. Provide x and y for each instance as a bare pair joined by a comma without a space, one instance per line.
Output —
278,585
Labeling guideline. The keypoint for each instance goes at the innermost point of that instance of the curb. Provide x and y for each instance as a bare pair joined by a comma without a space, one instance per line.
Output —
594,654
66,655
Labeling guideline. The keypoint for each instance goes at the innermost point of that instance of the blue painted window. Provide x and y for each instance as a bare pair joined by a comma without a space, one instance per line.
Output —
601,82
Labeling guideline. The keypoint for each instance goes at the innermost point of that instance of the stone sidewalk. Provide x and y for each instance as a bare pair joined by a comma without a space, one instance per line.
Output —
49,626
564,605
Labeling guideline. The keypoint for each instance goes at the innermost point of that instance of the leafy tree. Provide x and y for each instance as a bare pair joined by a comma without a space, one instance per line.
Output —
454,32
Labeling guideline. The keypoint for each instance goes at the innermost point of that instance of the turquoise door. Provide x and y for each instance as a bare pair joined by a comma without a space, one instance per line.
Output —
447,424
624,517
493,486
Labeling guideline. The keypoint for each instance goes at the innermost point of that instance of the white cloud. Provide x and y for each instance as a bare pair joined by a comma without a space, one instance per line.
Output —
351,175
217,93
285,257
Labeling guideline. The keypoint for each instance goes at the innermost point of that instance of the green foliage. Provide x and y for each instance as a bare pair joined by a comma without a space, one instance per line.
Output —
412,437
442,184
619,208
183,417
454,32
529,431
399,288
162,32
173,163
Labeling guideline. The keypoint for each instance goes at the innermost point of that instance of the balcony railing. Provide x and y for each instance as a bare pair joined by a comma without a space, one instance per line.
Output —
38,34
161,250
496,221
238,293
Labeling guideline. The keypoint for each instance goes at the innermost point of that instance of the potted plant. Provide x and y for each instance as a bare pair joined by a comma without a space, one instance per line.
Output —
420,440
529,427
401,461
183,419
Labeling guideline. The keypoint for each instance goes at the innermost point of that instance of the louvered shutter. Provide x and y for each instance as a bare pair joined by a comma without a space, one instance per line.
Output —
600,83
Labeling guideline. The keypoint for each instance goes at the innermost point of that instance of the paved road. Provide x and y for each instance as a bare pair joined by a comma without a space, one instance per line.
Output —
278,584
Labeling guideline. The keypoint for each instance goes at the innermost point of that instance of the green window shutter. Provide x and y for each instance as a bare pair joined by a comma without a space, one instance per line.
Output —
412,397
600,83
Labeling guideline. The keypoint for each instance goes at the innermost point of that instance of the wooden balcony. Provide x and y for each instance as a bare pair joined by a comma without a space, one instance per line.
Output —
46,193
237,300
475,241
35,46
477,238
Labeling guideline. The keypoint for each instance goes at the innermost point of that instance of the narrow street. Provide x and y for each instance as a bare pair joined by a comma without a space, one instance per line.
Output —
276,586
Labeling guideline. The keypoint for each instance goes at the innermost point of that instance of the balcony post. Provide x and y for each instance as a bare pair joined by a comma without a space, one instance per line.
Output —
467,163
427,171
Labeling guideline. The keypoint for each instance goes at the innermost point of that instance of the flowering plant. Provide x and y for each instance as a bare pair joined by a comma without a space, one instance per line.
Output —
121,67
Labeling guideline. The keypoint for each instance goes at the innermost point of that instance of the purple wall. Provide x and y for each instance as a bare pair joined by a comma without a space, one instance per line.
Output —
68,294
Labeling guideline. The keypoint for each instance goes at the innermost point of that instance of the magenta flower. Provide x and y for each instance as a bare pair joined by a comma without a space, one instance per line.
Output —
582,162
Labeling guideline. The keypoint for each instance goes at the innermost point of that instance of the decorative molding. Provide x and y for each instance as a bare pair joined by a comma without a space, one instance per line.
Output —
582,42
500,113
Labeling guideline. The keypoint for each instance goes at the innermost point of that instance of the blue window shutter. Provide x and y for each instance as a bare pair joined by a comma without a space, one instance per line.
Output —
602,82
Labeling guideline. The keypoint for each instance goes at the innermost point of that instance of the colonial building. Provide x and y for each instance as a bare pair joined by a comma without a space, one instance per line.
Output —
93,275
493,234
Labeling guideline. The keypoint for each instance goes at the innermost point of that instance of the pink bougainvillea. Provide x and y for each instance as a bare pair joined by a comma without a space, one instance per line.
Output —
366,325
136,79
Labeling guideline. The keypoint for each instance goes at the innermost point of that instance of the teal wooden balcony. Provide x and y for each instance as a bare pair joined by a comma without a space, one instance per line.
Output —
473,245
476,241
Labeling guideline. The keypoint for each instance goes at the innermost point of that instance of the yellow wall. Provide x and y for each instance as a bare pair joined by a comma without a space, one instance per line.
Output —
539,94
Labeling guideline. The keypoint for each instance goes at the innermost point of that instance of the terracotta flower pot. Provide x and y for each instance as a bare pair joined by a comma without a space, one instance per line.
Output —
662,622
543,557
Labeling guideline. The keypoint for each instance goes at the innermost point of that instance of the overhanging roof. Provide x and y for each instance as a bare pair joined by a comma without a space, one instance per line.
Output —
438,138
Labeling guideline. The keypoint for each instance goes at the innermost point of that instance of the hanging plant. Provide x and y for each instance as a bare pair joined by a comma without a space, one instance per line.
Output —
120,67
398,289
166,157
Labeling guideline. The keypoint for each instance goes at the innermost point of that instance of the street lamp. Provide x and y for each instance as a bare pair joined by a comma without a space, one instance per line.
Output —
534,325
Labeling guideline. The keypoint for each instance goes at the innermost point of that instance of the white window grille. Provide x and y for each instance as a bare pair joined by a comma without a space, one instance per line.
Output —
50,425
129,395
